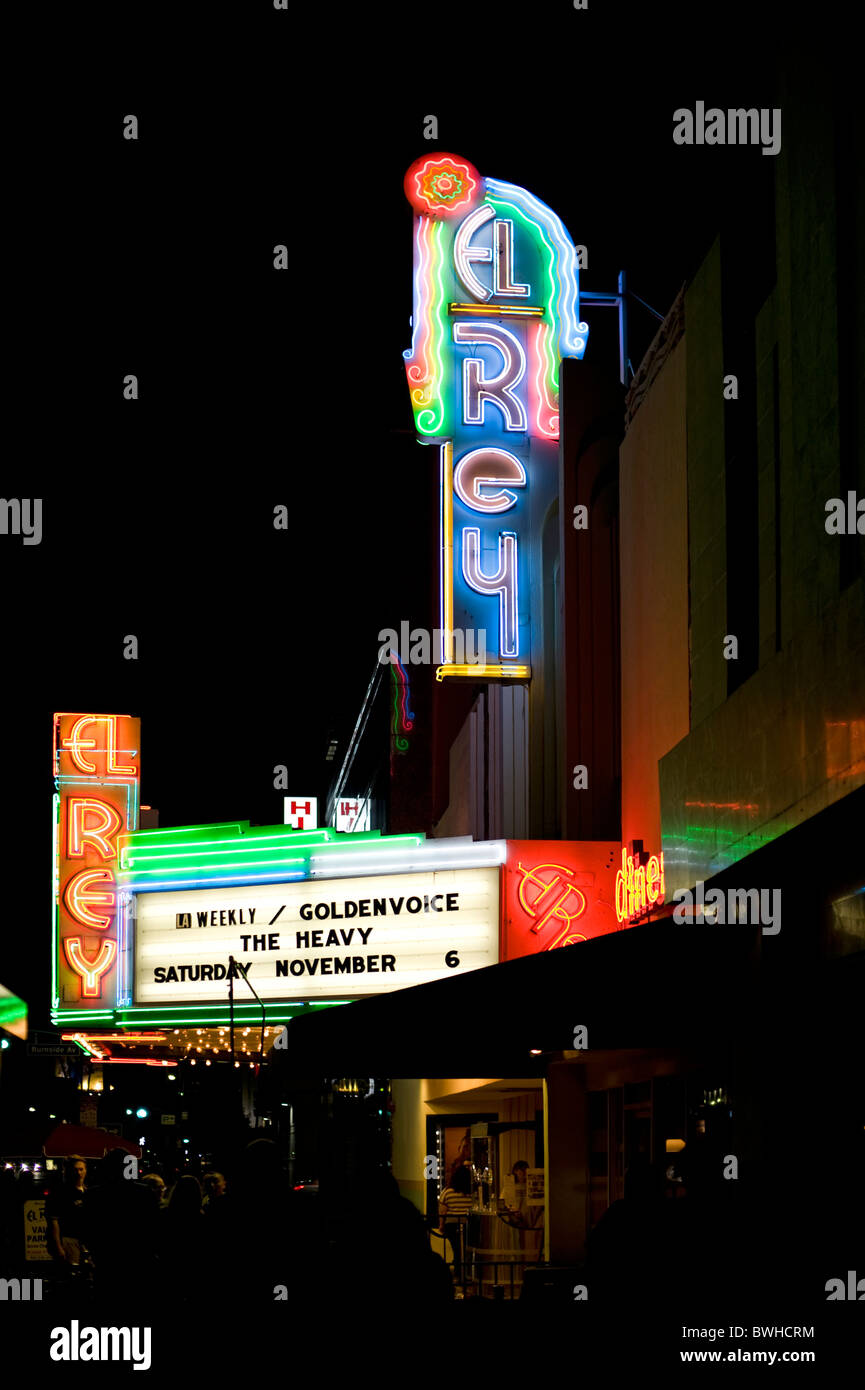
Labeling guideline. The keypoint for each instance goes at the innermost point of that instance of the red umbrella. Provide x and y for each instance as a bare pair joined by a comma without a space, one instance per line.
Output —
82,1139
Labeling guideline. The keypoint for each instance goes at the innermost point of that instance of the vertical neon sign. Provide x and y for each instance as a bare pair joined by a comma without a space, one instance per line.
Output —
496,308
96,774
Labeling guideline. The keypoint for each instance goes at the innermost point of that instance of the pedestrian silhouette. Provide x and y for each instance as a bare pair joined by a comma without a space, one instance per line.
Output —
382,1260
182,1247
120,1232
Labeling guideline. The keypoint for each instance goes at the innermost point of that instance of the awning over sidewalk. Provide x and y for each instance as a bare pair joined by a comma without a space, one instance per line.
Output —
86,1141
660,986
656,986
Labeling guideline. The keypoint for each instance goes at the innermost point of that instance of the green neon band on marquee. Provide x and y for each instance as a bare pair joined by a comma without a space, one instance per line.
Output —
12,1009
146,861
191,1016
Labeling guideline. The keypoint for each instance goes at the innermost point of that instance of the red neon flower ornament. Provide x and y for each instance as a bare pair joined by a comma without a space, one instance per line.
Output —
442,184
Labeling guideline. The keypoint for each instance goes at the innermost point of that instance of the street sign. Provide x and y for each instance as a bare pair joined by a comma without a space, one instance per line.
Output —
35,1230
300,812
42,1044
352,814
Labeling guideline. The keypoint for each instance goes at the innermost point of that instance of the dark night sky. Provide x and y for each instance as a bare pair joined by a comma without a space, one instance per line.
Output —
258,388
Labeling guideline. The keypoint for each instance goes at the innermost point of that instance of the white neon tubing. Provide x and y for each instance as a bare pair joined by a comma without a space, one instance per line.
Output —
504,235
573,333
499,390
484,468
464,254
503,581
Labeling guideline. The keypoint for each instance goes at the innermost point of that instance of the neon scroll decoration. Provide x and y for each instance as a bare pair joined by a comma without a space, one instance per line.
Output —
402,718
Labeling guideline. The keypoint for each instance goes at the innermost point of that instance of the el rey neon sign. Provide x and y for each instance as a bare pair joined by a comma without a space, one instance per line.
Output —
496,308
96,774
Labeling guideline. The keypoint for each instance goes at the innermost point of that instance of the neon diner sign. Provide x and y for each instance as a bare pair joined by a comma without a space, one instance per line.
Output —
496,308
640,884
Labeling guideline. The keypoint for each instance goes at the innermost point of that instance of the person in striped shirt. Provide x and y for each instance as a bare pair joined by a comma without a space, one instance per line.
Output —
455,1203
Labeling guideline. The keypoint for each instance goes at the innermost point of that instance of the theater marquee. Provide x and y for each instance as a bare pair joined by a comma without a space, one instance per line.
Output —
312,940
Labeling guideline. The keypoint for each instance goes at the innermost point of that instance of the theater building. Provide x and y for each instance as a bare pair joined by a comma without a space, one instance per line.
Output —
730,770
630,908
